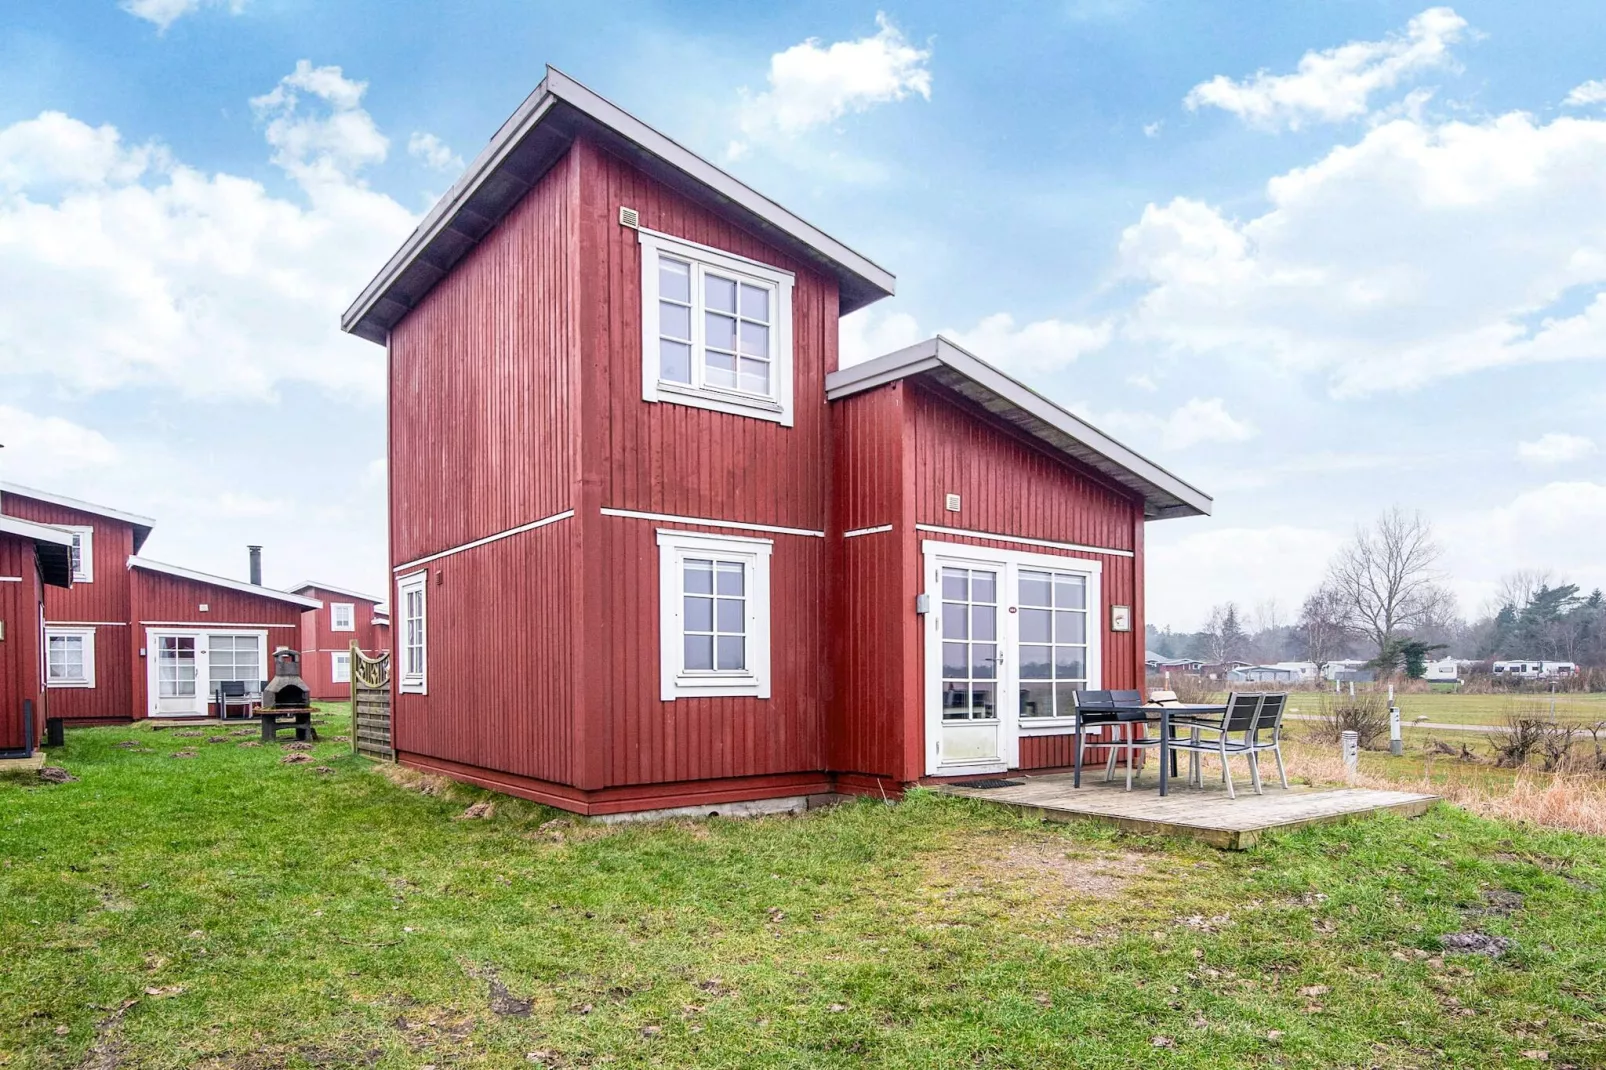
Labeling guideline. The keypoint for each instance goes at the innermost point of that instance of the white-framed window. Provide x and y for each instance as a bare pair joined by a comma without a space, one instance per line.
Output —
1053,626
70,657
716,330
235,659
342,617
413,657
340,666
714,615
83,554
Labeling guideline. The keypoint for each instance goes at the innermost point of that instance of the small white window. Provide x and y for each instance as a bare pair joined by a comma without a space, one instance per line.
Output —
70,657
83,554
340,667
342,617
716,330
714,615
414,634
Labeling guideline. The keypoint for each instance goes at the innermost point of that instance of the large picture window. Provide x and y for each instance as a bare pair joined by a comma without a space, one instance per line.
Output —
413,655
716,330
70,657
714,614
1053,641
235,659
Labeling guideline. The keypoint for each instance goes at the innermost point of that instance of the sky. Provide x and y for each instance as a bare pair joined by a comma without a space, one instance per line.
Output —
1316,259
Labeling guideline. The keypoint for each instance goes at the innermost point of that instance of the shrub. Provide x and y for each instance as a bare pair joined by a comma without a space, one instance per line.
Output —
1366,713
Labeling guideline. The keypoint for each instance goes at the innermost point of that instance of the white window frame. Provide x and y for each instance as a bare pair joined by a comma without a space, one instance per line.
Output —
335,609
85,536
674,547
87,635
413,683
776,407
336,658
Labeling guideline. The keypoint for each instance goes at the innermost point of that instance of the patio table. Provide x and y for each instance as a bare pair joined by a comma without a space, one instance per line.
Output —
1162,714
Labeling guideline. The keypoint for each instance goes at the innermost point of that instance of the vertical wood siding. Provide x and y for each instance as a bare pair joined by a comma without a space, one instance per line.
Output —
684,461
175,600
318,640
19,652
105,602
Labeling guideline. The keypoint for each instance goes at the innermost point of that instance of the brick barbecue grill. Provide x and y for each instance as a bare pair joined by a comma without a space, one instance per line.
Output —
287,690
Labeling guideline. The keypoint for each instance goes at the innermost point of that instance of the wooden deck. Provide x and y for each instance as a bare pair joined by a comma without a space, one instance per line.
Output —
1205,814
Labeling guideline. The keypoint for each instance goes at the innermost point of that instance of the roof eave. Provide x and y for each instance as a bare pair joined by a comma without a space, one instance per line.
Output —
180,572
141,524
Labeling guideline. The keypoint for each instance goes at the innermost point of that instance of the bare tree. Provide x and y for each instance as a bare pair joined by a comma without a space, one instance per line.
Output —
1224,636
1386,579
1323,625
1518,588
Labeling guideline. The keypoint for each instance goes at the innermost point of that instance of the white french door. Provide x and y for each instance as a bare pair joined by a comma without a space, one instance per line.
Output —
177,687
1009,637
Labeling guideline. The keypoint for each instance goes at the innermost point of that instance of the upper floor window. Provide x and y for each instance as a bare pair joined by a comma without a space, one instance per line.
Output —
716,330
83,555
342,617
412,656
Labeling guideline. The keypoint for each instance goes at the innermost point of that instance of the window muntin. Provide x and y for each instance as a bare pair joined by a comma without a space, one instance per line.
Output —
969,644
340,666
175,666
414,634
1053,622
716,330
69,657
234,659
342,617
714,615
83,554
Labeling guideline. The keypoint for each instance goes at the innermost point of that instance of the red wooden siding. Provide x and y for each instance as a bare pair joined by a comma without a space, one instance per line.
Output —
104,603
160,599
19,651
500,658
318,640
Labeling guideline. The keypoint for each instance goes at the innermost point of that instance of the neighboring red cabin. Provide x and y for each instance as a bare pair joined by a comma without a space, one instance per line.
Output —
32,558
653,550
327,634
137,638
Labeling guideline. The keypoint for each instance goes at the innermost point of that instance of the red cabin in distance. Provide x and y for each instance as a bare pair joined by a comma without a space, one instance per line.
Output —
653,550
327,634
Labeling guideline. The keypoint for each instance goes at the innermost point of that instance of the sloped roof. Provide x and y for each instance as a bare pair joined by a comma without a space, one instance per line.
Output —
52,545
943,362
313,585
222,581
141,524
529,143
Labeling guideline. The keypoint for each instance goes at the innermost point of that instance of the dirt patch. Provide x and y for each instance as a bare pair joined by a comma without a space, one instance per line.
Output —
413,780
54,774
1499,903
106,1052
1472,942
1040,876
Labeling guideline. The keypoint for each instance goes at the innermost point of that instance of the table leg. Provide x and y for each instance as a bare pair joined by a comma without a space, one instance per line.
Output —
1165,750
1076,778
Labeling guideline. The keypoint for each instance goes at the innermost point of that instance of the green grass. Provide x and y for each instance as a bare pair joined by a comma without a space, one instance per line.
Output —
270,915
1446,707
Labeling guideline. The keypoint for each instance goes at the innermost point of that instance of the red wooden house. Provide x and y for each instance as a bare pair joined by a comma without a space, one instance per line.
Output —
137,638
327,634
32,557
653,550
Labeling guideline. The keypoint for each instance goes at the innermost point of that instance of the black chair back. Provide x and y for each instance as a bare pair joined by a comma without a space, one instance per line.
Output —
1271,712
1242,712
1093,701
1126,698
232,688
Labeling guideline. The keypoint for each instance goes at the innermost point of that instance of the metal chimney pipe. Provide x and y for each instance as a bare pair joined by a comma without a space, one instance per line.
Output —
256,565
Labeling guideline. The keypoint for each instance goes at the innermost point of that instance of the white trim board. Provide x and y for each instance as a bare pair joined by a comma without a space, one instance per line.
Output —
856,532
297,588
86,623
165,569
209,625
521,529
1022,540
738,525
10,579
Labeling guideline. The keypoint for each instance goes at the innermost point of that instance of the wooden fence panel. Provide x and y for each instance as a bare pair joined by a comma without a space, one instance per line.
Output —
370,705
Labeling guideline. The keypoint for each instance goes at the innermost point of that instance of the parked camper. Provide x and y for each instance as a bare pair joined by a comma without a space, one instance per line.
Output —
1534,670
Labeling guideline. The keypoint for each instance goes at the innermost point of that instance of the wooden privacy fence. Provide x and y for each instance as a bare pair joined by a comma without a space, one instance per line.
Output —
370,705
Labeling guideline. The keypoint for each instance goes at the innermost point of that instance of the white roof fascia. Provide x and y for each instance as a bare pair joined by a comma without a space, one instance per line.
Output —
222,581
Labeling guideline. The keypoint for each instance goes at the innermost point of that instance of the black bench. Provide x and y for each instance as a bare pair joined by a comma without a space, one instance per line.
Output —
299,719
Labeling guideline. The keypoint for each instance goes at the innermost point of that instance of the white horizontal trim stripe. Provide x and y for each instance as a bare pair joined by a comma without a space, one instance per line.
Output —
856,532
208,625
86,624
10,579
736,524
543,522
1024,541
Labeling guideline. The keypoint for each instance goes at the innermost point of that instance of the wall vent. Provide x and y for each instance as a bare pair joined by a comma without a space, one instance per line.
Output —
951,503
629,217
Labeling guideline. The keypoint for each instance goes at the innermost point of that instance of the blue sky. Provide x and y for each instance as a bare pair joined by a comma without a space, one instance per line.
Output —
1317,259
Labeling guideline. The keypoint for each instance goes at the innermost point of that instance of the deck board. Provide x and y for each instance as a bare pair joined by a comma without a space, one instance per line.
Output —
1206,814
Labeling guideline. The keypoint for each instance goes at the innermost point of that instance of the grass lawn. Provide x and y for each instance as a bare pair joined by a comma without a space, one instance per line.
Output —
227,909
1445,707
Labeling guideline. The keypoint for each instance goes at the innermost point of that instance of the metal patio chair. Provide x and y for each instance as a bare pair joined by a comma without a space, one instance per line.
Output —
1234,735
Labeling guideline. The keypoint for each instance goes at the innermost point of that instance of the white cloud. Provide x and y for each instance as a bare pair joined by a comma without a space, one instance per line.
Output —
1336,84
432,152
1555,448
1153,129
1033,348
1586,95
812,84
166,12
49,446
1190,570
1195,422
1555,526
871,333
120,266
1423,251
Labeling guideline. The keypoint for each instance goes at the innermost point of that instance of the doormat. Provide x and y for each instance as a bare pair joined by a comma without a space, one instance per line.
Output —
989,783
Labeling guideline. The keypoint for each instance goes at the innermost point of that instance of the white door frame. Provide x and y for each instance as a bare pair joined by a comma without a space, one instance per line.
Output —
203,676
1008,563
